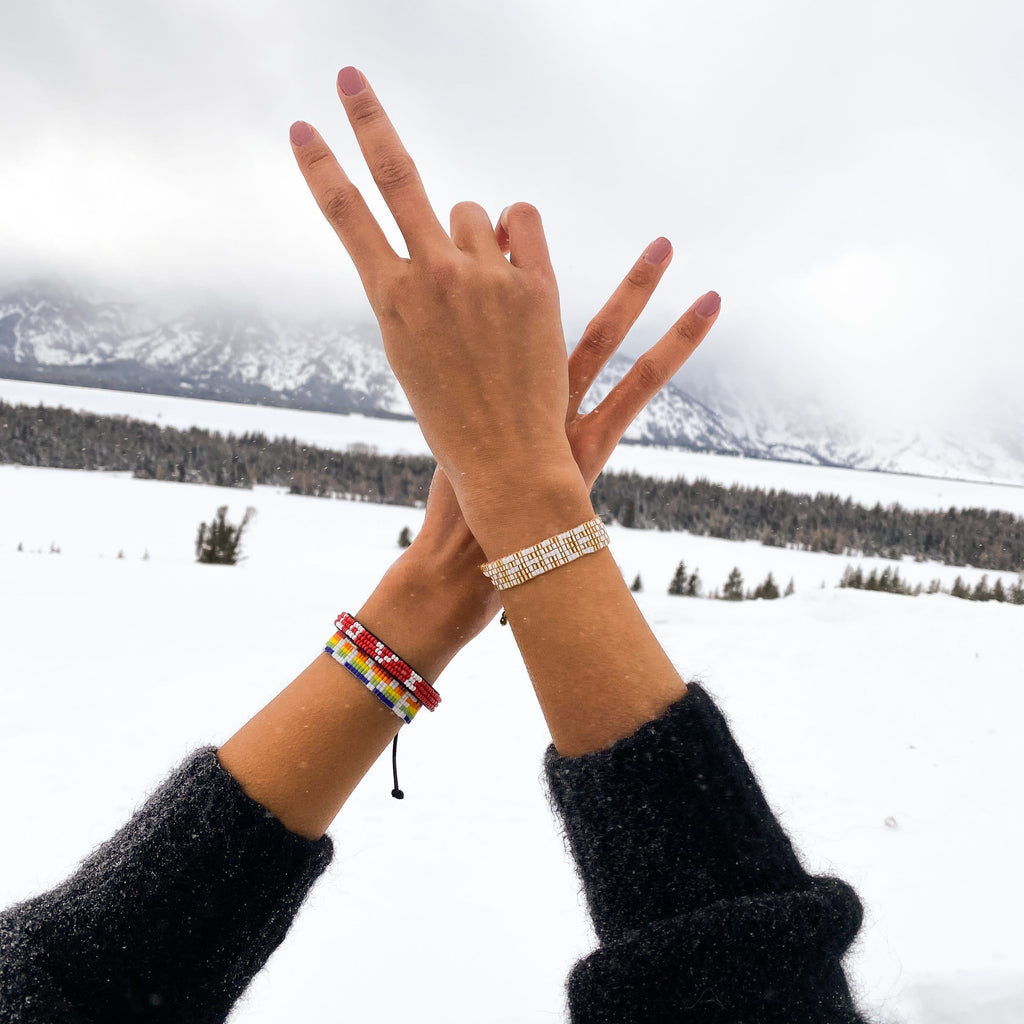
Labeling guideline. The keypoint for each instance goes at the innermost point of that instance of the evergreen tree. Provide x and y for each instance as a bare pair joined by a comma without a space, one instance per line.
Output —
981,591
678,585
405,537
790,588
733,589
684,585
1017,591
935,587
220,542
767,589
960,589
637,584
998,593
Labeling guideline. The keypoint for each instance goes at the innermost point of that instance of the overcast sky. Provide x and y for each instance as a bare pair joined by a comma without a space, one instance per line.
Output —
848,176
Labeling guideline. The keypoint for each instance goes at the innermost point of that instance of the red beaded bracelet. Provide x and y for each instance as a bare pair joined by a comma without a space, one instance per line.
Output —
388,660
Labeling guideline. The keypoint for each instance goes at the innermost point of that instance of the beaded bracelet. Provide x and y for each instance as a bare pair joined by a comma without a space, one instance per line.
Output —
548,554
387,659
386,689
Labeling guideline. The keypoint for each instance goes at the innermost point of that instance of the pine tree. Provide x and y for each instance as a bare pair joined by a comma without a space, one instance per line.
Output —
678,585
733,589
684,585
998,593
405,537
935,587
637,584
960,589
768,590
790,588
220,542
981,591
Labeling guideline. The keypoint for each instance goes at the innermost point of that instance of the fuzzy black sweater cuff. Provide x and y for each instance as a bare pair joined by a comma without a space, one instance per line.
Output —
702,907
170,919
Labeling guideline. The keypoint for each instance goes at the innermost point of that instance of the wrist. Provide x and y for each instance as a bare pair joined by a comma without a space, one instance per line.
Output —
520,509
430,604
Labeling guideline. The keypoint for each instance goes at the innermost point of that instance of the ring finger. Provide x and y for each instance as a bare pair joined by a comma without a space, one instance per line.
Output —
605,332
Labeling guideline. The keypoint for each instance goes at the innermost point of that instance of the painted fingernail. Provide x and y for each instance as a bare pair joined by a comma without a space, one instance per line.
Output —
350,81
301,133
708,305
657,251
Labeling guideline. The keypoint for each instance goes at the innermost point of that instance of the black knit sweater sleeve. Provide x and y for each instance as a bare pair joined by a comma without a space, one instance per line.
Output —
702,909
170,919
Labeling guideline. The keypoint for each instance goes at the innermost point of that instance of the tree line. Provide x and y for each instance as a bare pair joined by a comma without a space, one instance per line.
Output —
981,538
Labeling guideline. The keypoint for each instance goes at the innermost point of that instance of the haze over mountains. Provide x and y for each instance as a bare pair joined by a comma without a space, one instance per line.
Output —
52,332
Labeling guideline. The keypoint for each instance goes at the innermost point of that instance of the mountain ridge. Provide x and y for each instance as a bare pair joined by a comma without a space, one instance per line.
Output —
50,332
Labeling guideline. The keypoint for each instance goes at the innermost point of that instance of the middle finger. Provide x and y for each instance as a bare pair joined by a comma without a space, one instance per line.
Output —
391,166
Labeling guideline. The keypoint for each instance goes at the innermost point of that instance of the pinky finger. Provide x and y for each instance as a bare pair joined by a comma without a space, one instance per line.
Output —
655,368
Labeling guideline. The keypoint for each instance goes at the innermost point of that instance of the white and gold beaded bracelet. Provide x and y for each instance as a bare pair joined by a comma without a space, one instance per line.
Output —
548,554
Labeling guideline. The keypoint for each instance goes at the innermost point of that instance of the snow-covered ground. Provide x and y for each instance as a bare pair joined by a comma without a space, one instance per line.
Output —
855,709
403,437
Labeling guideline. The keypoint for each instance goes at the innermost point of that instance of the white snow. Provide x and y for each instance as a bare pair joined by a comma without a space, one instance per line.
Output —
853,707
404,437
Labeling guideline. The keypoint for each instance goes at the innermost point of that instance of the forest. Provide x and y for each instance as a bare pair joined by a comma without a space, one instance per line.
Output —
62,438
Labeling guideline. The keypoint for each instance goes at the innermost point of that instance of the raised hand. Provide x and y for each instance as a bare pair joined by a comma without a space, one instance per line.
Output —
592,437
474,339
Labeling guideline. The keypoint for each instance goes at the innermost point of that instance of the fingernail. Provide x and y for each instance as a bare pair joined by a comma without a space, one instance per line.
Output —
503,218
657,251
301,133
350,81
708,305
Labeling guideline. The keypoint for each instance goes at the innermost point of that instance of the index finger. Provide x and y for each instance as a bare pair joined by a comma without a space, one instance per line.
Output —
391,166
343,206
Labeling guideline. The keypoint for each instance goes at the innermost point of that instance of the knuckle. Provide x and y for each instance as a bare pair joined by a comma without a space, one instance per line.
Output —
467,206
639,278
599,337
386,301
524,210
648,375
443,274
394,172
366,113
684,330
338,203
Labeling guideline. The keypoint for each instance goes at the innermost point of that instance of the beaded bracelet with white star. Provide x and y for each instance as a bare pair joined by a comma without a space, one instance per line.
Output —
545,555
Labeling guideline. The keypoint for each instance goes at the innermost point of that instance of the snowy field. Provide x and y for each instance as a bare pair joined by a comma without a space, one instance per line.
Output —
395,437
856,709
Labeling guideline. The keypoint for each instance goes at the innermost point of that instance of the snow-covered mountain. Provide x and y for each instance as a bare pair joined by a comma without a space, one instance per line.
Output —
51,332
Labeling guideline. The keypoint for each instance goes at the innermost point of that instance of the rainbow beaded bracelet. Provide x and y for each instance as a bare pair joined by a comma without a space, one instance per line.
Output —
386,689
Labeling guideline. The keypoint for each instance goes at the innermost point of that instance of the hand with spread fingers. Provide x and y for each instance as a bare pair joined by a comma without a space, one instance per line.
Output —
476,339
593,436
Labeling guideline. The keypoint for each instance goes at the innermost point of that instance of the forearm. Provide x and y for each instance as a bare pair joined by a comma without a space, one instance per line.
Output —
303,754
598,670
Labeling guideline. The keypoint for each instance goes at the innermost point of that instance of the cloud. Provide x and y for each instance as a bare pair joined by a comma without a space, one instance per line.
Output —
848,178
